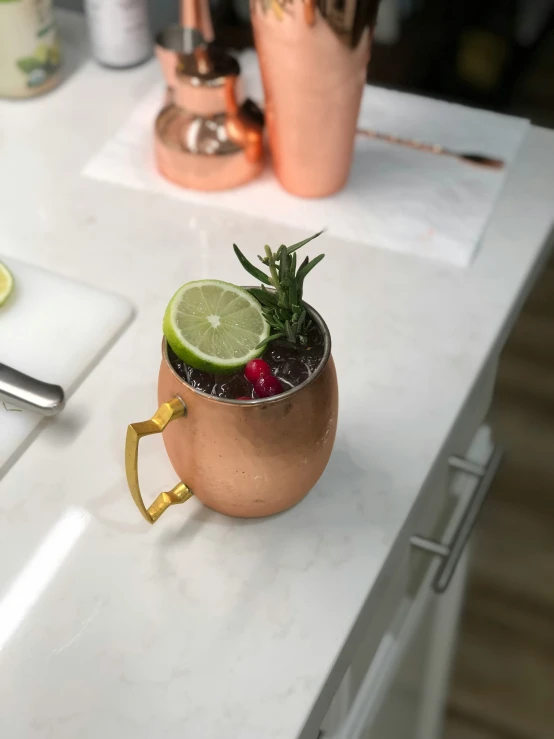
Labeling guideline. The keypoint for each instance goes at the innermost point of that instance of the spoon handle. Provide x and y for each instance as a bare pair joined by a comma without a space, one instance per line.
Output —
28,393
479,160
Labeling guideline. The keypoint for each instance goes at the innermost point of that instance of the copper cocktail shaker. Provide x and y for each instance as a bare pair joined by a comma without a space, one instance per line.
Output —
313,58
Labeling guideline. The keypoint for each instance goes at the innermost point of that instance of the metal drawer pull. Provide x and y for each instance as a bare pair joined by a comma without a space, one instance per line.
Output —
451,552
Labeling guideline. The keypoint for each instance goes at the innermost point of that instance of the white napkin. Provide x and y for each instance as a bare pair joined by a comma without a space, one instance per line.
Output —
397,198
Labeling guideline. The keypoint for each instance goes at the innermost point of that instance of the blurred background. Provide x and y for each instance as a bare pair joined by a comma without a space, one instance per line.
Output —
495,54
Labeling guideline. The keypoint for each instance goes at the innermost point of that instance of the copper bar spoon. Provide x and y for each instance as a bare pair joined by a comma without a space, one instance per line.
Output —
479,160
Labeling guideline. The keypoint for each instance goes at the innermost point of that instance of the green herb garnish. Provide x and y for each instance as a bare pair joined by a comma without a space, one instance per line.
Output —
282,307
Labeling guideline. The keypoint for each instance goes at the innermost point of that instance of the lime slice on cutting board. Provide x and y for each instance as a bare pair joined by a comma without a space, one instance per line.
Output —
6,283
214,326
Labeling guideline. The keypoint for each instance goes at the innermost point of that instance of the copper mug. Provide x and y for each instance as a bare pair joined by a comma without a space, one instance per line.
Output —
242,458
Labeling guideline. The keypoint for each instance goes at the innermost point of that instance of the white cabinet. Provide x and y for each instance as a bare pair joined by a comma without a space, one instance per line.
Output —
396,685
412,705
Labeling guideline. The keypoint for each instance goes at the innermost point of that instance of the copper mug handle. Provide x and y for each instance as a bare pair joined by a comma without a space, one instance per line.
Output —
166,413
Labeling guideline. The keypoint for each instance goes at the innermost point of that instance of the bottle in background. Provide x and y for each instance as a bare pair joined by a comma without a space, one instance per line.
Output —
29,49
119,32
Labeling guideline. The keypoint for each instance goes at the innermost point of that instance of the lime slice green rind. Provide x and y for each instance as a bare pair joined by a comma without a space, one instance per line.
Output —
214,326
6,283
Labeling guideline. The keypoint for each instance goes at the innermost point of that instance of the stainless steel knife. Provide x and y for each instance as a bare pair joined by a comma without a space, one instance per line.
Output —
28,393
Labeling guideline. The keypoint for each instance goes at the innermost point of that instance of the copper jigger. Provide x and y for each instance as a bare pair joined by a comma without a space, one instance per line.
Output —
171,43
194,30
196,14
205,140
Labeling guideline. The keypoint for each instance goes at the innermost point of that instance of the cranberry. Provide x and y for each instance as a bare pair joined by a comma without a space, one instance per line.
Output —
267,385
255,369
244,397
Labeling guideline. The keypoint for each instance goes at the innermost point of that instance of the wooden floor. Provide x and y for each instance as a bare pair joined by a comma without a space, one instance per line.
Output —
503,676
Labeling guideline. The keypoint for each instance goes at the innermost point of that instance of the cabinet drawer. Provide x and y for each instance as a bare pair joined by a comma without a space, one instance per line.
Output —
434,506
372,669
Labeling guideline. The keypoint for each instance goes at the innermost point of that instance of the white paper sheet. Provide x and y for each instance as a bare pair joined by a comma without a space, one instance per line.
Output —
397,198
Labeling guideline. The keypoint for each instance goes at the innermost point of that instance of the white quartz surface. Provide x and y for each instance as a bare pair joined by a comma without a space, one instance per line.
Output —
204,626
396,198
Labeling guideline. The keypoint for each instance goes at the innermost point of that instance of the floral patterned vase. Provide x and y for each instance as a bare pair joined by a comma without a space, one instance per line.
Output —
29,50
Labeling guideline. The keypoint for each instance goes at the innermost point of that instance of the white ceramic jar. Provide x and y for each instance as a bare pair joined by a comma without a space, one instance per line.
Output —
29,49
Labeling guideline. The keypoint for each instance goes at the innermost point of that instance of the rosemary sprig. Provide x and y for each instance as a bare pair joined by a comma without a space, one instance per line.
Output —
282,307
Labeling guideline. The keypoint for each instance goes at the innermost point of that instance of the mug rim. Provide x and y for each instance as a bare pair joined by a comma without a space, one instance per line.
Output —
254,402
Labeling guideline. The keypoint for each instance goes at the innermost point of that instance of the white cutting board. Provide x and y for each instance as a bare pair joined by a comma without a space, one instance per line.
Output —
56,330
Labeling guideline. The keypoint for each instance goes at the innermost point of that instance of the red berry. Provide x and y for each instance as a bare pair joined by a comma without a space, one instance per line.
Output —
244,397
255,369
267,385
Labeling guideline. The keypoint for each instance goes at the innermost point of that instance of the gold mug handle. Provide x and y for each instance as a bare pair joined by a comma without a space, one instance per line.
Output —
166,413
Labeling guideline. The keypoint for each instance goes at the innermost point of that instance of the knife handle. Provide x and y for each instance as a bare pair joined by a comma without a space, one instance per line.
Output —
28,393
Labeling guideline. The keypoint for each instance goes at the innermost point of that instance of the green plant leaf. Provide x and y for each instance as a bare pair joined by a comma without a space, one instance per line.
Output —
44,31
308,266
273,276
284,265
283,307
28,64
276,322
249,267
263,296
291,336
299,280
300,244
271,337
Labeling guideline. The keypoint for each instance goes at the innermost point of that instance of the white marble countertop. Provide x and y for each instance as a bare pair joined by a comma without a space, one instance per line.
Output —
204,626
